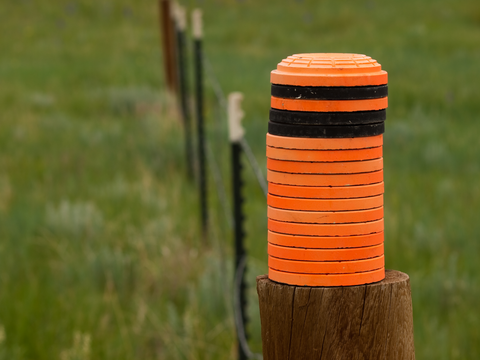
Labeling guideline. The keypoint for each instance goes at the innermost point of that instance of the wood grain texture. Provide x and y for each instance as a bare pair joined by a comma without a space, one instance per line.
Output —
373,321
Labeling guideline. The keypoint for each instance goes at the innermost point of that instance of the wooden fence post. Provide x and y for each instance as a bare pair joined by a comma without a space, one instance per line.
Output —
236,132
373,321
181,21
167,32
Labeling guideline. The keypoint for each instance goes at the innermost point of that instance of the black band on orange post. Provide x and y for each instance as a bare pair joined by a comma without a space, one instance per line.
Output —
328,131
329,92
327,118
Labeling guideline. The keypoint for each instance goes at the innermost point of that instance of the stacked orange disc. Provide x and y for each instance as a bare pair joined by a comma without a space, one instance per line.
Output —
325,170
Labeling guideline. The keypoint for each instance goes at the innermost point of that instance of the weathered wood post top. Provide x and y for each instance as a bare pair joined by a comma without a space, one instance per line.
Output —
326,295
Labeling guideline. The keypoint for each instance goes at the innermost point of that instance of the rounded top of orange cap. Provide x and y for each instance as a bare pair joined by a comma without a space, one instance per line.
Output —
329,69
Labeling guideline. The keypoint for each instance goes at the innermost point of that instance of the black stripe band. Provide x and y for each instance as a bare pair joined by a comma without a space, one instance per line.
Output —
329,92
329,131
327,118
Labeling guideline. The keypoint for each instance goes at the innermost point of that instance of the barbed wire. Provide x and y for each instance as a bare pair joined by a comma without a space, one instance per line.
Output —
221,191
255,167
217,89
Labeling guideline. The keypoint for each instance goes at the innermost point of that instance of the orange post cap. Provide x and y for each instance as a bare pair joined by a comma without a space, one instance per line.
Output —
329,69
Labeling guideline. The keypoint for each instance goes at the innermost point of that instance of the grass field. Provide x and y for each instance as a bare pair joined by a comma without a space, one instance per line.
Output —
100,248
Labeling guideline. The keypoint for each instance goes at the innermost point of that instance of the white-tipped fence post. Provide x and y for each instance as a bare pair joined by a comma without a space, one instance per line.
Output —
236,133
198,65
181,25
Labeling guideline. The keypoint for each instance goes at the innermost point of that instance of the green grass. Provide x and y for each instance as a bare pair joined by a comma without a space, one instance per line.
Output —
100,248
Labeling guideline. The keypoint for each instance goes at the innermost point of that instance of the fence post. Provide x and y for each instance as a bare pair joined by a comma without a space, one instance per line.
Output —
198,65
236,132
371,321
183,86
167,30
327,295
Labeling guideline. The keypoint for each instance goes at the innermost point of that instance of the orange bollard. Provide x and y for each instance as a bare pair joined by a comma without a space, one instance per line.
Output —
325,170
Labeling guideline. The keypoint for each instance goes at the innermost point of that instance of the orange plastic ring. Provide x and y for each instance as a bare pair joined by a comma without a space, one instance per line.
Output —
288,203
346,167
326,179
329,105
323,143
326,229
325,242
361,278
326,192
277,77
324,155
326,267
294,253
329,69
325,217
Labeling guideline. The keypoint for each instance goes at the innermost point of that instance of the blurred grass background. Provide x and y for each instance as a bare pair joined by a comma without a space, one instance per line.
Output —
100,253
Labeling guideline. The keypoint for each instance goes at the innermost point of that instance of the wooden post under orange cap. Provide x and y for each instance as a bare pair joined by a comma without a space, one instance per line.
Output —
327,294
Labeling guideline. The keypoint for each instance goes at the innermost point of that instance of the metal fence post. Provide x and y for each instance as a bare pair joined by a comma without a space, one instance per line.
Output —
183,86
198,65
236,132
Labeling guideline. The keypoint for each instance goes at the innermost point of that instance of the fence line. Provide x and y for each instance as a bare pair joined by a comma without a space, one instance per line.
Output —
217,89
255,167
206,156
240,257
